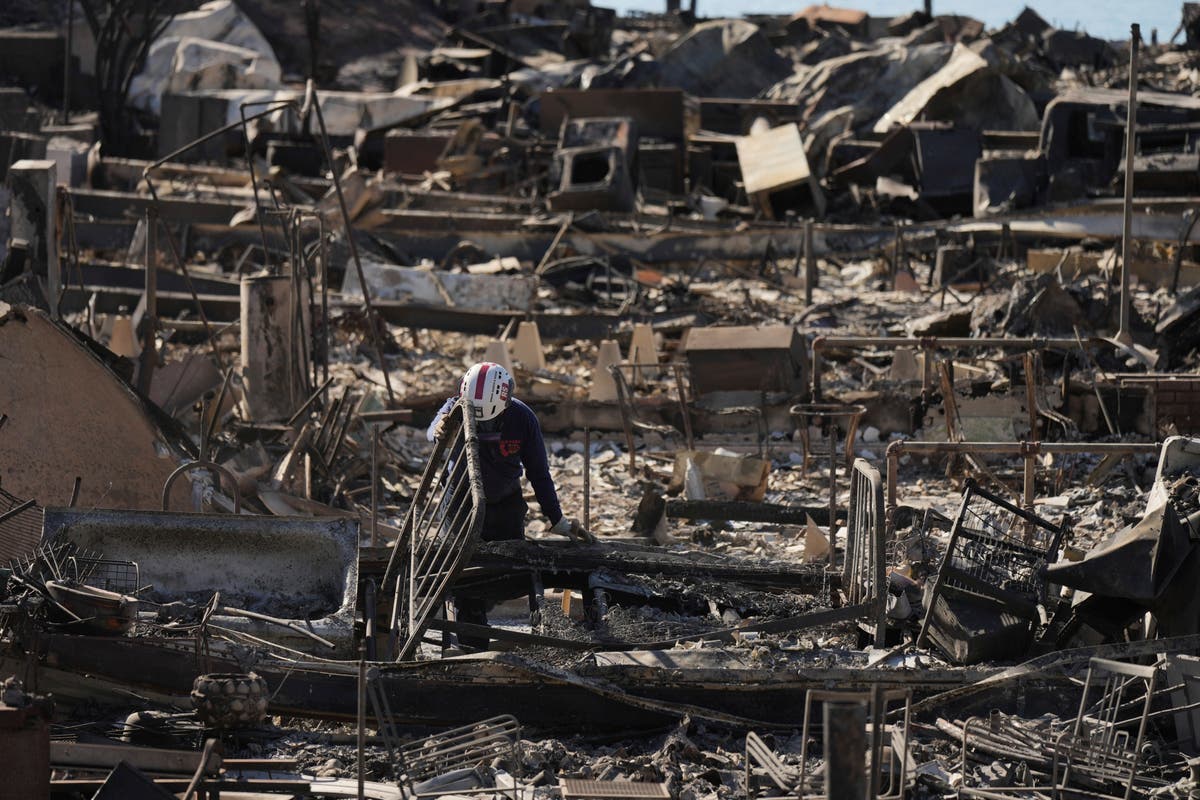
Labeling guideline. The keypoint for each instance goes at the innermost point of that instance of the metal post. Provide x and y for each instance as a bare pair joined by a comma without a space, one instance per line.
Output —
587,478
150,318
832,489
845,750
1135,36
897,248
374,486
66,114
362,722
1029,490
810,263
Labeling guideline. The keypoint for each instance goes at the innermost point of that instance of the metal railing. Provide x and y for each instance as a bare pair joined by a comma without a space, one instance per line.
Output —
20,527
439,532
864,562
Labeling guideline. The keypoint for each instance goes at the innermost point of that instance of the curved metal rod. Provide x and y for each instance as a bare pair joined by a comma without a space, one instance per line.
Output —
194,465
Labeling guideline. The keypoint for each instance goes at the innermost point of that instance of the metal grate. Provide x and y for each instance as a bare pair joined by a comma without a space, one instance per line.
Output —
102,573
863,577
439,533
617,790
995,547
465,747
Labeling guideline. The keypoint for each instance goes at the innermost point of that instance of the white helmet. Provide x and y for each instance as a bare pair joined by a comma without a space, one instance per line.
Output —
489,388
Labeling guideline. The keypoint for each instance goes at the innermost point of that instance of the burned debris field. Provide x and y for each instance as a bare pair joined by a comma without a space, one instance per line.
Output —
441,398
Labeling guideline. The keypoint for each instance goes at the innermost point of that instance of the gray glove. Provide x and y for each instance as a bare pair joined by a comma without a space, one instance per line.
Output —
570,527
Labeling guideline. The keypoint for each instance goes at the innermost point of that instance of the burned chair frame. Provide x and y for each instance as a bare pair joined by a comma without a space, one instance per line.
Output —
1101,749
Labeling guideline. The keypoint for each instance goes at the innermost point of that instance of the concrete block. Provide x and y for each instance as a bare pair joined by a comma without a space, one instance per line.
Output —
497,353
604,387
527,348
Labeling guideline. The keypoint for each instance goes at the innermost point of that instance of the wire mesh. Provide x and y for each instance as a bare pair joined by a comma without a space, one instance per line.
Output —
103,573
995,546
864,564
21,532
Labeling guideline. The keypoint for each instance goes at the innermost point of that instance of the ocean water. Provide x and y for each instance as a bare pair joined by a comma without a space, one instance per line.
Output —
1109,19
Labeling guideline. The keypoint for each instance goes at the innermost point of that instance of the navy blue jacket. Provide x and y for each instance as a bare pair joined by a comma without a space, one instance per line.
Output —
502,454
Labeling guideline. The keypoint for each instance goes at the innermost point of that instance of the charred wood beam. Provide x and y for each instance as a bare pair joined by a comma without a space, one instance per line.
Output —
587,558
742,511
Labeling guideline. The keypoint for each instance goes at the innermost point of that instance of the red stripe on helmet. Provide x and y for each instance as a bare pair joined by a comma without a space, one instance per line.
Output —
479,382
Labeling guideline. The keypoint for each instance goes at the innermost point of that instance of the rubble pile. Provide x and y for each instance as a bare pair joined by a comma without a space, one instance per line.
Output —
519,399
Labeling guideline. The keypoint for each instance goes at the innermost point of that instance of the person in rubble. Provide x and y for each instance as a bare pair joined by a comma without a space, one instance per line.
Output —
510,443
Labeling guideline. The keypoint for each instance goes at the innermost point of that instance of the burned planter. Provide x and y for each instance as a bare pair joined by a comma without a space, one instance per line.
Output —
301,572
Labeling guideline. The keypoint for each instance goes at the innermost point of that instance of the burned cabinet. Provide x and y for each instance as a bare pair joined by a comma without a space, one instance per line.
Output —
770,358
594,165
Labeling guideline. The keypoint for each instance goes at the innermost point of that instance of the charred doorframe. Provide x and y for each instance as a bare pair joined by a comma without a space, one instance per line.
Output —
927,344
439,532
1029,451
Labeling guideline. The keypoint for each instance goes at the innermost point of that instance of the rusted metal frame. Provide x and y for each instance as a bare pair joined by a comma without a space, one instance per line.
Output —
195,786
299,281
625,404
338,437
927,344
760,757
352,241
865,557
1026,449
462,747
312,105
677,368
258,218
1006,750
448,507
324,256
430,565
801,411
